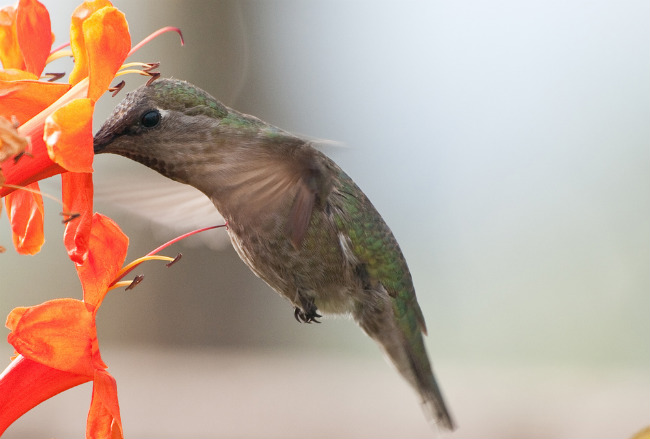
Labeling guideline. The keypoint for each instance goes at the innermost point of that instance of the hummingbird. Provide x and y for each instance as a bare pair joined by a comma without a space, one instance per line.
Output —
294,217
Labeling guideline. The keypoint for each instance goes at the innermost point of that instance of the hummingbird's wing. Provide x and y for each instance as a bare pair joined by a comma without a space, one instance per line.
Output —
288,182
167,207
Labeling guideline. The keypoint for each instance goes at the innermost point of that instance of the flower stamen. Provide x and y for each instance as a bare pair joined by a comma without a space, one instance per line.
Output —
175,260
131,265
57,54
116,88
152,254
136,280
186,235
70,216
144,65
124,283
60,48
156,34
51,77
154,76
150,66
22,154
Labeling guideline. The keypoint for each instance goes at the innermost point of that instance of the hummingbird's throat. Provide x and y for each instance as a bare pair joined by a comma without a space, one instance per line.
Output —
175,171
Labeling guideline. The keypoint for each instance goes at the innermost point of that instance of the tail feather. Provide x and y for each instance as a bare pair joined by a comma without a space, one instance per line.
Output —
403,343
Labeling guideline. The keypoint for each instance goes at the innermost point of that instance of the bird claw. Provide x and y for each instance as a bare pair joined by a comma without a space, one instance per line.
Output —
309,316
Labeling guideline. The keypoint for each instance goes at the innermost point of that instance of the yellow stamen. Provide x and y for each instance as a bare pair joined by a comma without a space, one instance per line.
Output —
58,54
135,64
125,72
124,283
139,261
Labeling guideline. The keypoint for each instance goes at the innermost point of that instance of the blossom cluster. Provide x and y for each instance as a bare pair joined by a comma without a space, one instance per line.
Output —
45,130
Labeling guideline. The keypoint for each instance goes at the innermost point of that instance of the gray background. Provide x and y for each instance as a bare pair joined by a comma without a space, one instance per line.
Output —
506,144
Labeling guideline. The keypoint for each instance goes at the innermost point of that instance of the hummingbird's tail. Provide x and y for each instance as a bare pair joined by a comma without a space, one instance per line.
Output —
401,340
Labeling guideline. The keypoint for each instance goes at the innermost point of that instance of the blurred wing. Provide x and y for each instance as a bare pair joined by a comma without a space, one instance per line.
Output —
264,182
170,208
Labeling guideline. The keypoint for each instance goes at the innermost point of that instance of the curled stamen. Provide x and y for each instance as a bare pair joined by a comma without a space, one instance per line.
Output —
136,280
51,77
116,88
150,66
154,76
175,260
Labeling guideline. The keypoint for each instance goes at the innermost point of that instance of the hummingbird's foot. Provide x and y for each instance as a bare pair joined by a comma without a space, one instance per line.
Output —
308,313
303,317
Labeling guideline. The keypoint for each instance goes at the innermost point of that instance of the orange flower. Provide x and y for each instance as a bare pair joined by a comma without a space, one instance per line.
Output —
46,129
57,119
57,341
25,36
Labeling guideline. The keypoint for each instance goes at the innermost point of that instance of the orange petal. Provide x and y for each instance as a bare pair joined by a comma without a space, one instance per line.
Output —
104,415
58,333
16,75
107,42
25,211
25,99
77,42
14,317
37,165
26,383
34,34
10,54
29,168
106,253
69,137
78,200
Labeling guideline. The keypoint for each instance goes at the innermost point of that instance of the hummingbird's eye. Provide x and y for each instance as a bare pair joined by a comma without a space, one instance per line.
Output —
150,119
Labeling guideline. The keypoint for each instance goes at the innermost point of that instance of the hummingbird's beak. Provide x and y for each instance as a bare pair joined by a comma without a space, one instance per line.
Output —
101,140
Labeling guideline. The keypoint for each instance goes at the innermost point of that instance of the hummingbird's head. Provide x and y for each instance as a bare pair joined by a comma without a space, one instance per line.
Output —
174,127
166,114
177,129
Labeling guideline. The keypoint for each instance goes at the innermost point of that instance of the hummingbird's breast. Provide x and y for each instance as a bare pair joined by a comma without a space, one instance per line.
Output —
317,270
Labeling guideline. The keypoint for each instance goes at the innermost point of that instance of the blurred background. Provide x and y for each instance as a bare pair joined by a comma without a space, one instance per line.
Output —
507,144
